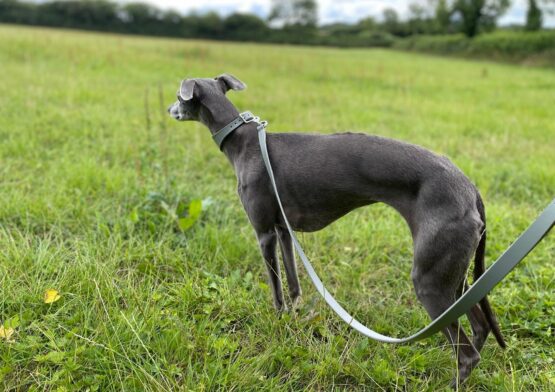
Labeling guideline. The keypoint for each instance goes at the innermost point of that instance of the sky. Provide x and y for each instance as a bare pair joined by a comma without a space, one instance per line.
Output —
330,11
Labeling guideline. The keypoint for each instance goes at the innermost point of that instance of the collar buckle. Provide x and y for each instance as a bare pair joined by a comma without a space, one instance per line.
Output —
247,117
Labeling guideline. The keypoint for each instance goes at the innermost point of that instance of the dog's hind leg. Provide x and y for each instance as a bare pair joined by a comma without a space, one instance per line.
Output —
441,257
293,284
436,301
267,241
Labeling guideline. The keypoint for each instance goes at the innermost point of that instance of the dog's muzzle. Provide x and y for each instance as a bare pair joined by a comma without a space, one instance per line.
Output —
178,112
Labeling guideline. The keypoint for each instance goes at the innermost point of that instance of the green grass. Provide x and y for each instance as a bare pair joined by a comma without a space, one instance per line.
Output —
87,153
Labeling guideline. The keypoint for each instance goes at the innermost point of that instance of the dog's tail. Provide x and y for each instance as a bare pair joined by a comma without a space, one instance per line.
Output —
479,270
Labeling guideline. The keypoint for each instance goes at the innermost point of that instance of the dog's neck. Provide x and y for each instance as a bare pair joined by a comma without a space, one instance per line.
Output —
218,113
239,140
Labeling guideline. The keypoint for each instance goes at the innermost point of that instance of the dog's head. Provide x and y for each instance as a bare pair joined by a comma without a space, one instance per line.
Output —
196,98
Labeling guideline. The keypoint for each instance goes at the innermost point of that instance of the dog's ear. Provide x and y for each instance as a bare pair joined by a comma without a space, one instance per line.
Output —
230,82
187,89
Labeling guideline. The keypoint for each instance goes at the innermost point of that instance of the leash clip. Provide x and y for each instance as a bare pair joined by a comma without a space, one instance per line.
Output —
248,117
262,125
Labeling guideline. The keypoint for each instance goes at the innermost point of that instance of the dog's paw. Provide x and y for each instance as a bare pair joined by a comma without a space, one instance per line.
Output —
465,368
457,384
281,308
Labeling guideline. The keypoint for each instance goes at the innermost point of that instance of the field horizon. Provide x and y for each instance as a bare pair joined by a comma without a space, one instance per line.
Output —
99,200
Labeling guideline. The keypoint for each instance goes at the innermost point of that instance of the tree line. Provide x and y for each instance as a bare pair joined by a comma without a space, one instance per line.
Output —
290,21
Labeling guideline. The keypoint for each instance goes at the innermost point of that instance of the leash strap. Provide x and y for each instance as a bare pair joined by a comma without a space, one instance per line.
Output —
508,260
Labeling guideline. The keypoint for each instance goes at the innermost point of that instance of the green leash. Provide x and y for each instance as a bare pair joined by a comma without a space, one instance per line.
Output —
498,270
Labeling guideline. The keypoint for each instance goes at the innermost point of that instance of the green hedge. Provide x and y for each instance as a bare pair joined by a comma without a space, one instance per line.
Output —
520,44
508,45
444,44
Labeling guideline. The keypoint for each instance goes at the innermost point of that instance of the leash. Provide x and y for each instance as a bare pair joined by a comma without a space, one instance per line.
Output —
498,270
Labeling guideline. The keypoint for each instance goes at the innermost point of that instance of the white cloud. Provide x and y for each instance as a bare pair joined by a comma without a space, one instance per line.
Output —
354,10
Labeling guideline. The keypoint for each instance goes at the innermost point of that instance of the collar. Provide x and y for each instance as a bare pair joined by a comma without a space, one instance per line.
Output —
243,118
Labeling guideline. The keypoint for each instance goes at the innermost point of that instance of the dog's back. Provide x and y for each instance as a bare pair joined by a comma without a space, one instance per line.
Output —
339,172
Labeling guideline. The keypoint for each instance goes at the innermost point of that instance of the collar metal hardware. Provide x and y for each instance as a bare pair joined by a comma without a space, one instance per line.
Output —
243,118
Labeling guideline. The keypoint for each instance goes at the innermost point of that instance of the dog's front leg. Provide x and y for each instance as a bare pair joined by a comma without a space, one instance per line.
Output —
286,246
267,241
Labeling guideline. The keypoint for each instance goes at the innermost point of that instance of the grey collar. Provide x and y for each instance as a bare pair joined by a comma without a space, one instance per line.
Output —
244,118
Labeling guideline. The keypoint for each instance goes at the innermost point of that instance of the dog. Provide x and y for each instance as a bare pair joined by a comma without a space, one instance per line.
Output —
323,177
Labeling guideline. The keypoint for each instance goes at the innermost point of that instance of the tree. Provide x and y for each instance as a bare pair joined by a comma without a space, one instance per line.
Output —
391,23
442,16
142,18
210,25
245,27
140,13
533,16
417,11
536,10
294,12
94,14
479,14
13,11
368,24
419,21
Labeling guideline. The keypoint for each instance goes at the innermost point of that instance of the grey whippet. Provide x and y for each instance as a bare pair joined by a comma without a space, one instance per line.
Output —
323,177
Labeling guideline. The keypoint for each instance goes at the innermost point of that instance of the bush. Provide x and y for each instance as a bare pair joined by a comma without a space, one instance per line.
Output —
513,44
445,44
376,39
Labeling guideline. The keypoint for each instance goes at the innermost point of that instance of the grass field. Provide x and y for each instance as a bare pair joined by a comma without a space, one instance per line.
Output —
94,175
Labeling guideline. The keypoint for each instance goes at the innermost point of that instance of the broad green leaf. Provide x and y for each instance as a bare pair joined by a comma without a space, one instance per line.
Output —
185,223
12,322
195,208
56,357
134,215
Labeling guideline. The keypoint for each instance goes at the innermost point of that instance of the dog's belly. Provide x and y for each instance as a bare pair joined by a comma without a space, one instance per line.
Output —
313,214
312,204
313,221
